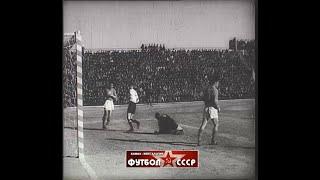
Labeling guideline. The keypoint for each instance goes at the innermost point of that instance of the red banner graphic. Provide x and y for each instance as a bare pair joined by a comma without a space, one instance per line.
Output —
167,158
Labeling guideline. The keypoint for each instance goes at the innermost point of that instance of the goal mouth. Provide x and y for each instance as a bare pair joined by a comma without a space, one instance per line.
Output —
72,95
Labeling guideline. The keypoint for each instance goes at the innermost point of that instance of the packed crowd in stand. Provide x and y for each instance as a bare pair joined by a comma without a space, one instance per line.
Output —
167,75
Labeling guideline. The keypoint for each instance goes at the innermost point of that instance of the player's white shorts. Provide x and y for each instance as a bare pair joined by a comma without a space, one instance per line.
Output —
210,113
108,105
179,128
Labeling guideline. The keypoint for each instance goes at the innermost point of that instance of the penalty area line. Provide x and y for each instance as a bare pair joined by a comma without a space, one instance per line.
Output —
88,168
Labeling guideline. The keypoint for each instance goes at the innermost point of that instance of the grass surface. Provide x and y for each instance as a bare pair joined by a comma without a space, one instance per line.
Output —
233,157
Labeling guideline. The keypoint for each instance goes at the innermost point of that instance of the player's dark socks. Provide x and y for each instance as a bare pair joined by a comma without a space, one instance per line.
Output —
104,119
131,127
103,124
198,143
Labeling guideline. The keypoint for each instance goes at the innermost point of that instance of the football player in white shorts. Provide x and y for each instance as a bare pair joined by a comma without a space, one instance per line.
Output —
211,110
134,99
108,105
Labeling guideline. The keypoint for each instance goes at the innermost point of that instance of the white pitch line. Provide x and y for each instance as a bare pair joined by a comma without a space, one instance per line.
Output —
88,168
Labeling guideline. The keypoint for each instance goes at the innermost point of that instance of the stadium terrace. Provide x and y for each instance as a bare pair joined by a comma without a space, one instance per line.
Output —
172,75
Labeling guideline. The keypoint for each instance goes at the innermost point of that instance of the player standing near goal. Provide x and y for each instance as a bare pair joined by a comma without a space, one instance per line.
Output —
134,99
108,105
211,109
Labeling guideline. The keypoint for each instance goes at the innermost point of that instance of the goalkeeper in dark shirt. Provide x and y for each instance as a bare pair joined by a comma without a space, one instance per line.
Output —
167,125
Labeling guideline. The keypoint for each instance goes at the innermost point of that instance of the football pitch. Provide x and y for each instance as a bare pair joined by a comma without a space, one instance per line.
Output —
232,158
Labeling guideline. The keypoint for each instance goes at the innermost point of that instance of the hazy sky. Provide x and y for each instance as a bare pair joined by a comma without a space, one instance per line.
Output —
177,24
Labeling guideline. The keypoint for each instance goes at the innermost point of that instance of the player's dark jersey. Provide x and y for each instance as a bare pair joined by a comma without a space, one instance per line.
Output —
210,97
166,124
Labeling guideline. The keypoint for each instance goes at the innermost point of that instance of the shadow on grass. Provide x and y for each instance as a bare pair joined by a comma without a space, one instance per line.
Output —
225,146
235,147
72,128
140,133
104,130
153,142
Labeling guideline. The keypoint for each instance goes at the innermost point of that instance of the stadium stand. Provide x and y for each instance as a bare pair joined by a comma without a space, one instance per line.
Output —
171,75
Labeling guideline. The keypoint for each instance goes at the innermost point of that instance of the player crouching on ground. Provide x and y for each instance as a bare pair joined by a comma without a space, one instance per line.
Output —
134,99
211,109
167,125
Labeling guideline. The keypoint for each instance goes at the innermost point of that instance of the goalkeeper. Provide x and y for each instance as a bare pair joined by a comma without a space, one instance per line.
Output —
167,125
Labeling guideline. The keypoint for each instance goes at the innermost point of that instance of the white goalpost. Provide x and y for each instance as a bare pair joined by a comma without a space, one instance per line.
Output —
73,95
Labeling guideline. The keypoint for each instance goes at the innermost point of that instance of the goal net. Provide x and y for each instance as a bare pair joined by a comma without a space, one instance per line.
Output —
70,120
